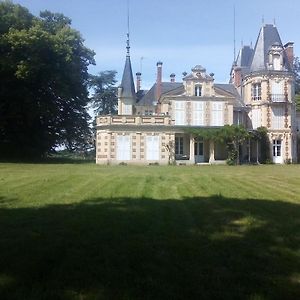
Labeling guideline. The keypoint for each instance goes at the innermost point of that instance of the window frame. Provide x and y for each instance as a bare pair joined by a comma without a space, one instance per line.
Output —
198,90
217,114
179,145
277,145
256,91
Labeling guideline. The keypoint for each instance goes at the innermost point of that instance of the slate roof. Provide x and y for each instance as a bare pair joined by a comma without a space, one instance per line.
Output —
267,37
150,96
127,84
245,57
140,94
230,88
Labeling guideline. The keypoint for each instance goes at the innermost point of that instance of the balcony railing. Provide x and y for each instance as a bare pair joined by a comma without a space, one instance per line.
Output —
278,97
256,98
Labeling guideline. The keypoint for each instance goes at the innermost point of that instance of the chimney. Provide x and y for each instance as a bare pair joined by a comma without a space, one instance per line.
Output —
172,77
138,81
237,76
158,80
289,51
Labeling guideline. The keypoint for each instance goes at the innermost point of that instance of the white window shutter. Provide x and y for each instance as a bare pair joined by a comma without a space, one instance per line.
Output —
256,118
217,114
179,113
123,147
198,113
152,146
277,118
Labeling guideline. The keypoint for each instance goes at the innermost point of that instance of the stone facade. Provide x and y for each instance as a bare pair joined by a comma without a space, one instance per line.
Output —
151,125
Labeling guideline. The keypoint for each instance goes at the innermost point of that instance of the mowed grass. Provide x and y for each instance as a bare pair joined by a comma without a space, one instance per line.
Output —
82,231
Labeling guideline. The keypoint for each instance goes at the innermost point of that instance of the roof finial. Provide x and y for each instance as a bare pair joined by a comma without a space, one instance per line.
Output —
274,21
127,42
263,19
127,45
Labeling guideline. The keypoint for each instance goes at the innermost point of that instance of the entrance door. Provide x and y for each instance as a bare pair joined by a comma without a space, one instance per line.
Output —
277,153
198,151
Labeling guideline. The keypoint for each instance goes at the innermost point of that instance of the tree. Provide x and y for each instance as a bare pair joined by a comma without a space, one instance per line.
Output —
44,79
296,70
261,135
104,97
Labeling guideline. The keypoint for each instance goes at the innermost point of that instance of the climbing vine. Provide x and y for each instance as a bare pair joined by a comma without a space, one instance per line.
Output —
233,136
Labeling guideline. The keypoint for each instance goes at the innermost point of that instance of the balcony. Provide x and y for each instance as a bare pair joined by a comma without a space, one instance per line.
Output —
278,98
256,98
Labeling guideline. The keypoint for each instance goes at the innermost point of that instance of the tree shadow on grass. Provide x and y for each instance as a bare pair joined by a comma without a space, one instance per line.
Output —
50,160
195,248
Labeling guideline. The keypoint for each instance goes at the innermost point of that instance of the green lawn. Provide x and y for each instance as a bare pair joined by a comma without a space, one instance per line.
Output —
81,231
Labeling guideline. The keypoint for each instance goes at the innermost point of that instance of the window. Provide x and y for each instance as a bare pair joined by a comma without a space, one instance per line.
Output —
198,113
152,150
277,92
256,91
178,145
276,148
179,113
123,147
277,118
198,90
256,118
217,114
198,147
127,109
276,63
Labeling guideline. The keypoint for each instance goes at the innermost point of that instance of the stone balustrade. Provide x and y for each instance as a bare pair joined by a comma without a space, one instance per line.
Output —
134,120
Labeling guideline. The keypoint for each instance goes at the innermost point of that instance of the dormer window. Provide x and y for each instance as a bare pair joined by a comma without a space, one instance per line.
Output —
275,57
198,90
256,91
276,62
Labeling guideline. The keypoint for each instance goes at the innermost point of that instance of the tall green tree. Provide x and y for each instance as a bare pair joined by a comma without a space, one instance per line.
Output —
44,82
104,92
297,81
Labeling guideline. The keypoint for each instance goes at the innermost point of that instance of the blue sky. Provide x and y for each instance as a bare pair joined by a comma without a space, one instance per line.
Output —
179,33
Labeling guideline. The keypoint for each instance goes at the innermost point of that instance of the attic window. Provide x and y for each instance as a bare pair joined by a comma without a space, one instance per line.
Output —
198,90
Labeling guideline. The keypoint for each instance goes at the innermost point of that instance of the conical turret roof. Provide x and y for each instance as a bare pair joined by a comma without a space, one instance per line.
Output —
127,84
268,37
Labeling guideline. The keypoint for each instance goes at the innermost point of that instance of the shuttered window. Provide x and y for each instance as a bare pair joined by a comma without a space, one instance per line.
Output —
276,62
217,114
179,113
152,145
198,113
256,118
277,92
123,147
277,118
